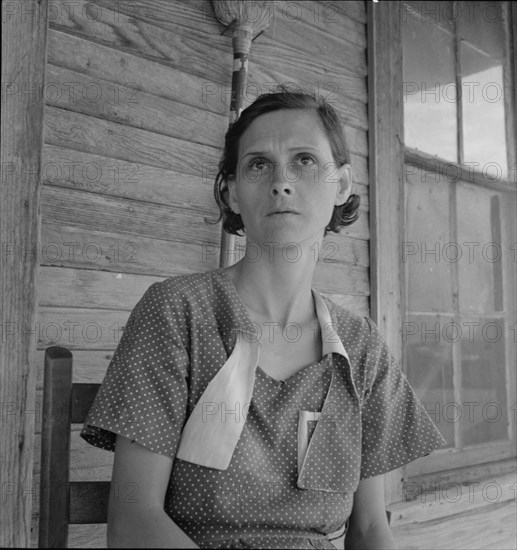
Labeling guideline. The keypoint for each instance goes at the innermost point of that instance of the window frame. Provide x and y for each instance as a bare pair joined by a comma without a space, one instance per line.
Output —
387,157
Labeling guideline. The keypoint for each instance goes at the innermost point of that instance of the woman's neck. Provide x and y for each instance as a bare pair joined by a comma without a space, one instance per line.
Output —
275,282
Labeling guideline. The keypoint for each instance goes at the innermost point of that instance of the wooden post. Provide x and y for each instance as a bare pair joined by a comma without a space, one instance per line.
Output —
24,30
386,159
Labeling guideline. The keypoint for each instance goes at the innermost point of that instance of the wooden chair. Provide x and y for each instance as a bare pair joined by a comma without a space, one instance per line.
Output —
64,502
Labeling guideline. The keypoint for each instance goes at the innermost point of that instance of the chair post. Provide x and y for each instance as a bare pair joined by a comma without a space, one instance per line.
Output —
55,442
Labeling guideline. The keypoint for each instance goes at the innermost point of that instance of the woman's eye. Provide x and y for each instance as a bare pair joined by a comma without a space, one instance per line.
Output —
257,164
306,159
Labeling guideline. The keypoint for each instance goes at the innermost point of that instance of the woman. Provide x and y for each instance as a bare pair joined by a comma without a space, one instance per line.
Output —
246,410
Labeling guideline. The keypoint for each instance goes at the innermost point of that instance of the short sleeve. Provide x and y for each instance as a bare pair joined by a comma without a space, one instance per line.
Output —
396,429
144,394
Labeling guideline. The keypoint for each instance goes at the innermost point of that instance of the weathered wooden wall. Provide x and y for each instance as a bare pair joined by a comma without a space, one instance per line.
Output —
136,106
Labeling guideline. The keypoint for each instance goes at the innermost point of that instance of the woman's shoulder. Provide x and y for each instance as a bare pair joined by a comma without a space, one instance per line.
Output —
190,286
177,297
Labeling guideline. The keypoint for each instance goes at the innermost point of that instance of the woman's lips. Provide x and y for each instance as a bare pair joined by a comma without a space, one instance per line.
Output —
275,212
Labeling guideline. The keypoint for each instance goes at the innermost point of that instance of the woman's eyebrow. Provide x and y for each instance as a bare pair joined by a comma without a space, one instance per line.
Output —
297,148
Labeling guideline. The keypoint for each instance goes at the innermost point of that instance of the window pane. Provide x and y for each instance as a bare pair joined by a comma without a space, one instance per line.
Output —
479,268
427,242
429,367
429,87
483,390
482,101
481,32
481,25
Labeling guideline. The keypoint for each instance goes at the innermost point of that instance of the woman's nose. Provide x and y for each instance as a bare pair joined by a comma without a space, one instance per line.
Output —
281,188
283,180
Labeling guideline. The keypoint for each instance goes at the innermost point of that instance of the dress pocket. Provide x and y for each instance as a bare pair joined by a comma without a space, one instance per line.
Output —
330,459
306,425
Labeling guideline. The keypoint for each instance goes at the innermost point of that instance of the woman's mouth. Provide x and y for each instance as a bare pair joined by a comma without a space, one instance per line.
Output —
276,212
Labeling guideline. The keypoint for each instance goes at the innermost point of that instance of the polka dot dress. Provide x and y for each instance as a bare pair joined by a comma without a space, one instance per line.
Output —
306,442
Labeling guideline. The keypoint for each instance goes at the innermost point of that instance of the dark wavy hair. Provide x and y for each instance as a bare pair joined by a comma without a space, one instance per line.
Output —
344,214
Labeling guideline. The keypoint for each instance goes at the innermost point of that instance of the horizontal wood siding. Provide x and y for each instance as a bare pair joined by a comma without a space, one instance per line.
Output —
136,108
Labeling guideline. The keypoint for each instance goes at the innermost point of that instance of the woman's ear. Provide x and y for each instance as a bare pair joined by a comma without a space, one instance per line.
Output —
344,190
232,195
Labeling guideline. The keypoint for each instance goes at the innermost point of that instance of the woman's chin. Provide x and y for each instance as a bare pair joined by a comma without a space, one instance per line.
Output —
285,238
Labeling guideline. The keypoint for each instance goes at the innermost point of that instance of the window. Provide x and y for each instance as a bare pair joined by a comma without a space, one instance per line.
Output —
459,250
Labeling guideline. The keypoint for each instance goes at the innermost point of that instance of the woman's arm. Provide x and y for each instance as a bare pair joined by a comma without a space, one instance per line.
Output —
369,529
136,516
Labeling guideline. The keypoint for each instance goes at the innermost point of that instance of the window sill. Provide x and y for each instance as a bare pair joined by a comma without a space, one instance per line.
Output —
451,498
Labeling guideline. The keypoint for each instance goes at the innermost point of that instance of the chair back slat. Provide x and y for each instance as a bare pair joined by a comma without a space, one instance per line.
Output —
55,448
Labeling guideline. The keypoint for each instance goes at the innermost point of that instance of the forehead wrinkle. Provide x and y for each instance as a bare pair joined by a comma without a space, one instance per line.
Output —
276,134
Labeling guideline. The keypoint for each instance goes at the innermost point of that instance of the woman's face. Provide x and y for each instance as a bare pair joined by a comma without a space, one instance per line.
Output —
287,181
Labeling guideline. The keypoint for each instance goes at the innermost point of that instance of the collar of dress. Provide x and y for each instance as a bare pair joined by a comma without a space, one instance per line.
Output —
209,437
